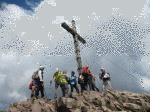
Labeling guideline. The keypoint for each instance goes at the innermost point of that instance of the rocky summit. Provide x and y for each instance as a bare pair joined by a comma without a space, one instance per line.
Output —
93,101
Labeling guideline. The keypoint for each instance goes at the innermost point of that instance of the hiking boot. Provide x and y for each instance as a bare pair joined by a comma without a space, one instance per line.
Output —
97,89
32,95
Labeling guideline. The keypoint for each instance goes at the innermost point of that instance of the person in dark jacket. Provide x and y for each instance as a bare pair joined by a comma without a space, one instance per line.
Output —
87,80
81,78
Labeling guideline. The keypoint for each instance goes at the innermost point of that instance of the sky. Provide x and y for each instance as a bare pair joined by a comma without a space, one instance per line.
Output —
117,33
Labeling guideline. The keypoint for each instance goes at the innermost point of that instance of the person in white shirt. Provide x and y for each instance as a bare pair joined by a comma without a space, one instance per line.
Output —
81,78
40,74
106,79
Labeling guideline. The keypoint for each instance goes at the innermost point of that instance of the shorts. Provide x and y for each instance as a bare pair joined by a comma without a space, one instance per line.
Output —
56,84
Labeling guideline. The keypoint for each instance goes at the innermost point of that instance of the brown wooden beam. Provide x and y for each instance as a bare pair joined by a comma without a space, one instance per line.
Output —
65,26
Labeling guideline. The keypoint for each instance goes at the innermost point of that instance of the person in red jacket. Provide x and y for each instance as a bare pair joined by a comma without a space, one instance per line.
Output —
87,78
32,86
85,70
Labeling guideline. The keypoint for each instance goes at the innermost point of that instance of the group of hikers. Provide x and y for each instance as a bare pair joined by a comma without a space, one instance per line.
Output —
87,78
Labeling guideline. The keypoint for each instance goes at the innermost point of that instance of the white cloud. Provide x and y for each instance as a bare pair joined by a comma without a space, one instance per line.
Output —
40,31
145,82
53,2
2,79
17,96
12,11
146,10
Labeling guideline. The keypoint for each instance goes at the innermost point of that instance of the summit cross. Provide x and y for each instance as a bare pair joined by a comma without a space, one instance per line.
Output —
76,37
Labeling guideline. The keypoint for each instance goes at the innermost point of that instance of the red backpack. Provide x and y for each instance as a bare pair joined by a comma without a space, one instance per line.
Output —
85,69
30,86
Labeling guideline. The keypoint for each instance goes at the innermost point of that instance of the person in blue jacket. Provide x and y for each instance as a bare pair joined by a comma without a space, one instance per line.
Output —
73,83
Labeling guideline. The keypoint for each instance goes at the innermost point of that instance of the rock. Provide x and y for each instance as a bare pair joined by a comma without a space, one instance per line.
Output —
93,101
36,107
21,108
52,107
131,106
12,110
112,106
41,102
84,108
67,102
75,110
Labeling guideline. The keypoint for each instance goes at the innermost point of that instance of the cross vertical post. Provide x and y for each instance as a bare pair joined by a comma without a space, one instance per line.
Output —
77,50
76,37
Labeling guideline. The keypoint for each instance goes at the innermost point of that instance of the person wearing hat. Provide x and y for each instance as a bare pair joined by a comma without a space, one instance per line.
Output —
66,75
88,80
60,80
56,84
73,83
40,74
106,79
82,85
93,82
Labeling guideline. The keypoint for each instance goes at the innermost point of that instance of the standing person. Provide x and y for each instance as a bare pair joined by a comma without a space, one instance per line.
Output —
73,83
88,80
66,75
81,81
33,86
41,85
106,79
60,80
93,82
84,70
86,77
56,84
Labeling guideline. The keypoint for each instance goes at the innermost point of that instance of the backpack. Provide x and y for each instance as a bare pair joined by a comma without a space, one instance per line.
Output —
103,75
34,74
60,78
66,77
30,86
85,70
80,81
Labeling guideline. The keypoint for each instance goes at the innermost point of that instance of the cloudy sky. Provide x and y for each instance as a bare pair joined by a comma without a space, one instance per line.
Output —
117,34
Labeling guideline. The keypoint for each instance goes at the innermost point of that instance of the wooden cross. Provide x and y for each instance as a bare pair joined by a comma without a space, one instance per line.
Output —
76,37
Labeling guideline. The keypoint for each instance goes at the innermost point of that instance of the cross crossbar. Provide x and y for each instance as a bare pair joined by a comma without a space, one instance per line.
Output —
65,26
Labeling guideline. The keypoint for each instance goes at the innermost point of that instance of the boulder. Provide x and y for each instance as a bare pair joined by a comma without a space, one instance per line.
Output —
131,106
67,102
36,107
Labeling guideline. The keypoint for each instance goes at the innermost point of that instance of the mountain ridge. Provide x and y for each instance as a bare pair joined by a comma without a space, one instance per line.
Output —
93,101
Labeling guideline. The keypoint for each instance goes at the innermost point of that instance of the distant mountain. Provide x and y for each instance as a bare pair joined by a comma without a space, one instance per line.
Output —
93,101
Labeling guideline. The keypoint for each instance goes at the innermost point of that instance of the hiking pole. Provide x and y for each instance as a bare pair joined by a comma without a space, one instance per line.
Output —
50,87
